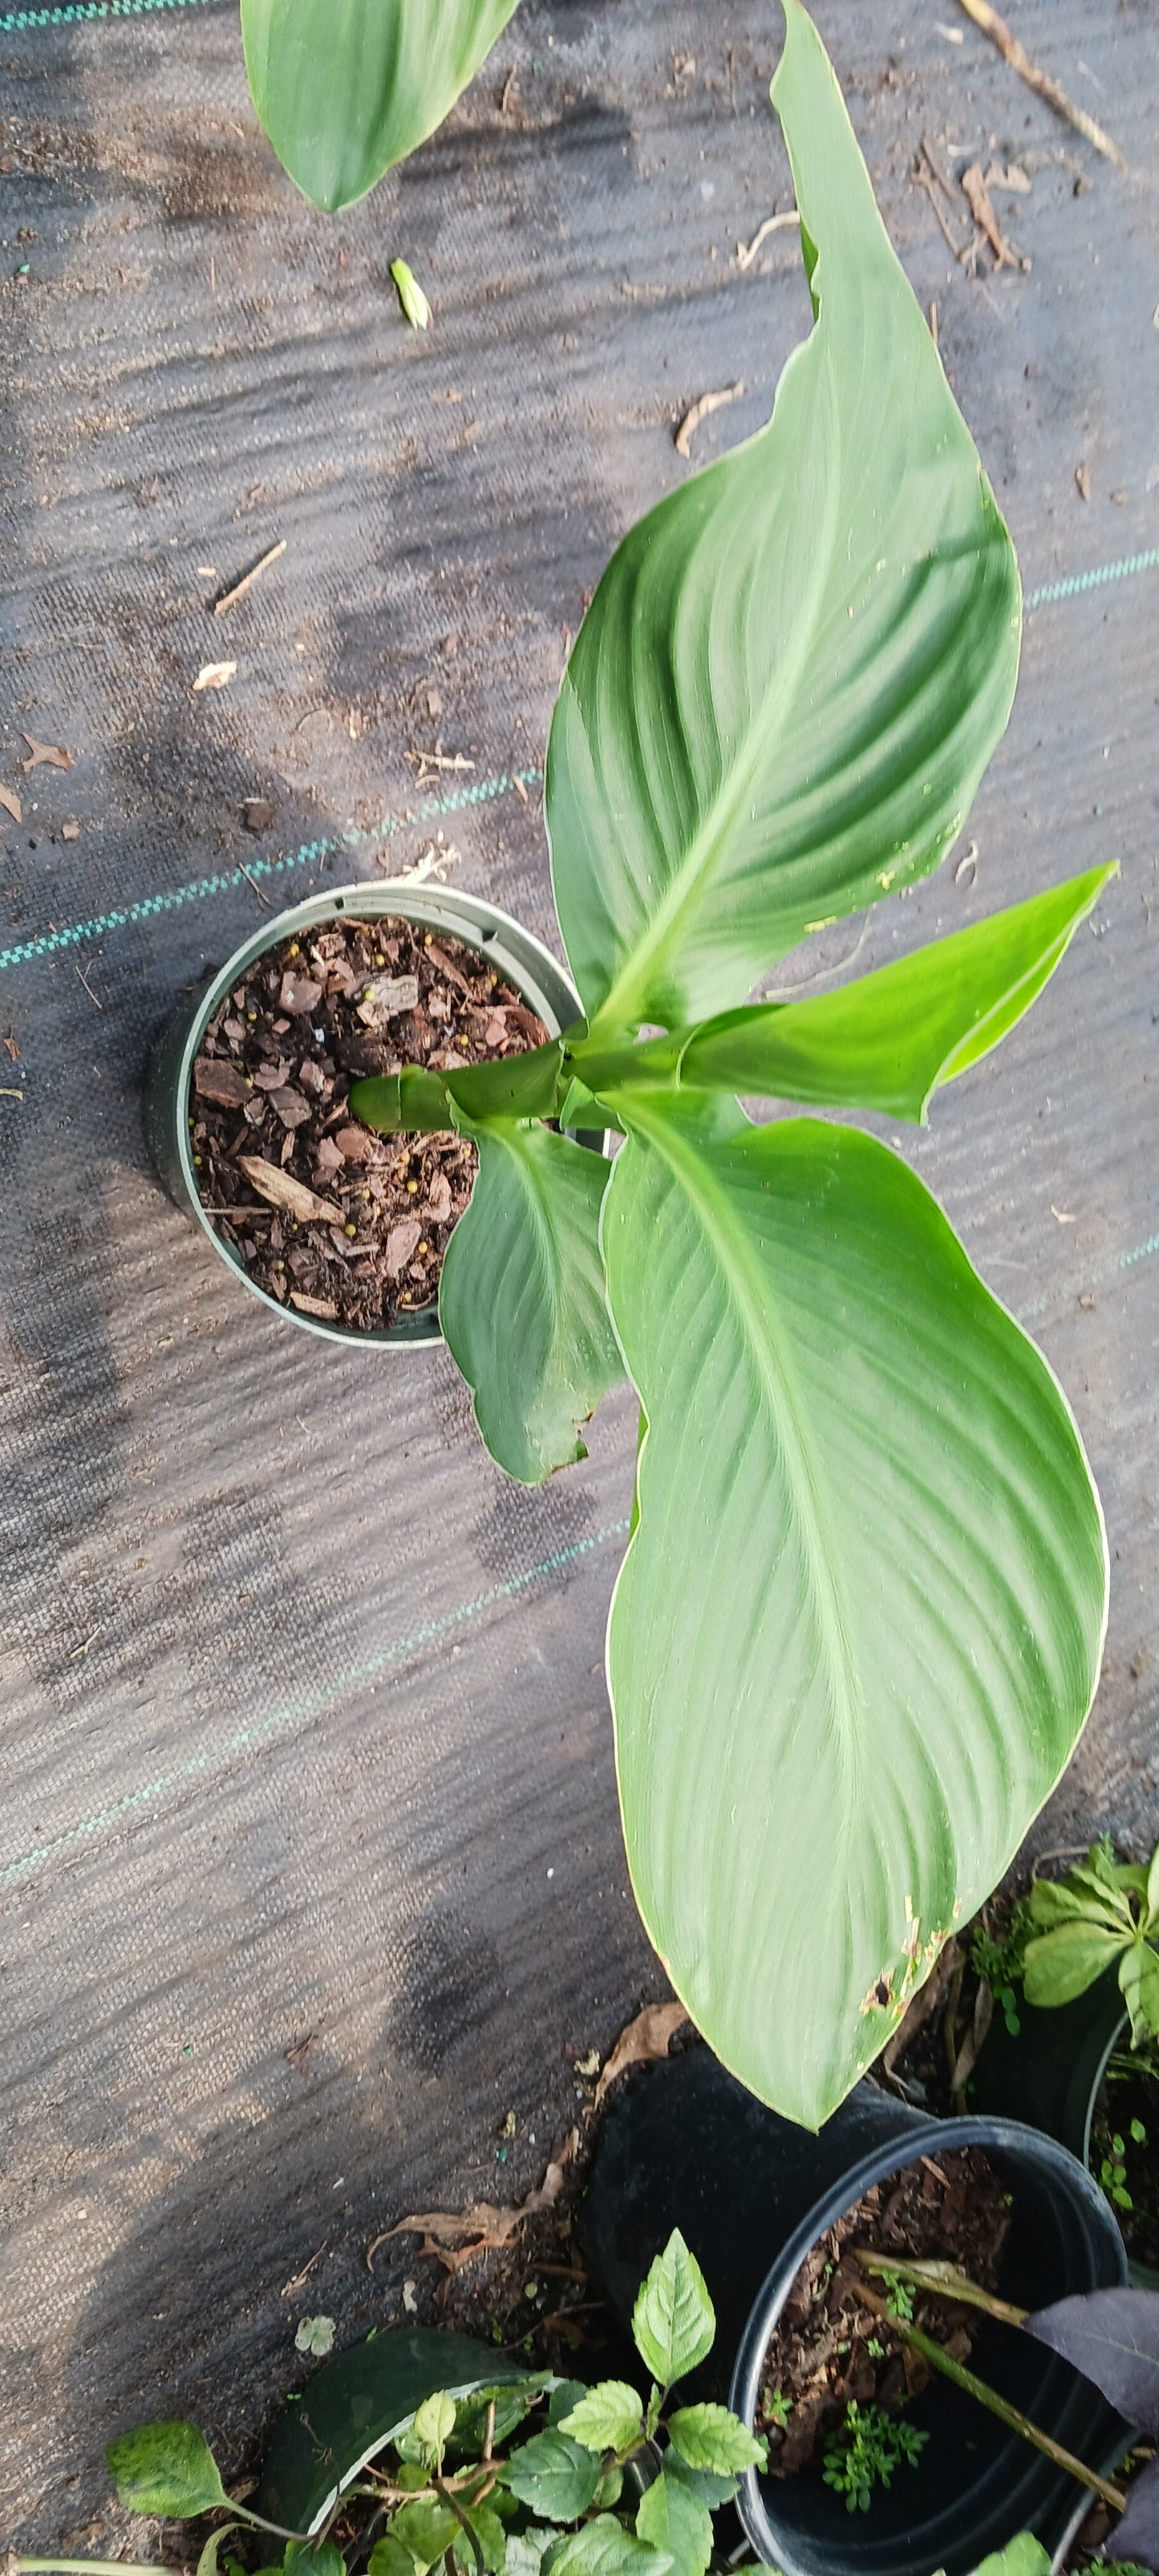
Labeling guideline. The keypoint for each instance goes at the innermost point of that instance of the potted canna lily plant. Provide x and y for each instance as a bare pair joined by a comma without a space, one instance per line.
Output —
860,1619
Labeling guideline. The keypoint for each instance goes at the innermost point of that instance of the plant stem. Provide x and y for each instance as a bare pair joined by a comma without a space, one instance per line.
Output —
945,2280
460,2517
988,2397
21,2566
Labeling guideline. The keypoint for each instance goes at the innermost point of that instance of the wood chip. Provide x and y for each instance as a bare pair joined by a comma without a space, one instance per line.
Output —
309,1306
220,1082
293,1196
11,804
214,675
356,1145
1041,82
292,1107
45,751
257,814
699,411
645,2038
391,993
70,831
400,1243
978,199
298,993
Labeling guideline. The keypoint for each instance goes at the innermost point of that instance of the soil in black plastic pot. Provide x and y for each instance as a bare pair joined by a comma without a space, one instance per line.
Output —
323,1214
829,2349
1124,2154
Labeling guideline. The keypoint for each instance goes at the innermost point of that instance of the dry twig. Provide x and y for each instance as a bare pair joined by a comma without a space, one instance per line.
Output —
700,411
1019,60
240,587
771,224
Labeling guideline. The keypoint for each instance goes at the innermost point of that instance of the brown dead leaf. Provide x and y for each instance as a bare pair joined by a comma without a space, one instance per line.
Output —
11,804
925,2002
70,831
455,2236
45,751
214,675
644,2039
11,1047
1013,177
977,197
283,1192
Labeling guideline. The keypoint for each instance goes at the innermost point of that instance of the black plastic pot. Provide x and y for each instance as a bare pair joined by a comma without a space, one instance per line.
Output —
527,964
351,2408
687,2147
1052,2074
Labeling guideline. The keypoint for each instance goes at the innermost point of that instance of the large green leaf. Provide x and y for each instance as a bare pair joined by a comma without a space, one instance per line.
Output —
522,1298
891,1039
166,2469
858,1626
795,669
345,88
1064,1963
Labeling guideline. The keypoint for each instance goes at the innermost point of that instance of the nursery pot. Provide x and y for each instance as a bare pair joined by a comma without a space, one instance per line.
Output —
510,950
1051,2074
354,2405
687,2147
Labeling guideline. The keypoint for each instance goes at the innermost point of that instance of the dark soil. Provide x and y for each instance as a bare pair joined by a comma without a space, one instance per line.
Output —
950,2208
1128,2096
343,1224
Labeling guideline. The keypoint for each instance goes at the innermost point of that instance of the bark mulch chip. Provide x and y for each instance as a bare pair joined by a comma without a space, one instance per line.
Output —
323,1214
946,2208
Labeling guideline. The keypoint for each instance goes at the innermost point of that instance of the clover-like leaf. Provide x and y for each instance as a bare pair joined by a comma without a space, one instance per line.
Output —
609,2418
712,2437
554,2474
673,2321
166,2469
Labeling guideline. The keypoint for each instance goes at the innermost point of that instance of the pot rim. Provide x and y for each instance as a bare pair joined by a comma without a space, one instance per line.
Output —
480,924
878,2165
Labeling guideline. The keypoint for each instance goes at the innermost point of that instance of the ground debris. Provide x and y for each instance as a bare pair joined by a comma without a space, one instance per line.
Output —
11,804
50,752
214,675
456,2236
643,2039
698,411
981,206
1019,60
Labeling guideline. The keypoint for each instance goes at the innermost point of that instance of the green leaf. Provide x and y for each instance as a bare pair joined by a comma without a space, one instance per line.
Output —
603,2548
563,2397
389,2558
858,1625
1062,1964
345,88
890,1040
434,2423
165,2469
525,2550
795,669
426,2530
712,2489
672,2519
489,2533
1055,1901
522,1300
555,2475
207,2564
415,307
511,2401
315,2335
512,1086
712,2437
313,2558
609,2418
673,2321
1022,2557
1139,1982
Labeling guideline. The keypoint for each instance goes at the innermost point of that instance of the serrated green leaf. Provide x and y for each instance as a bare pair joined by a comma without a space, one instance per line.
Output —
603,2548
555,2475
522,1301
1062,1964
712,2437
563,2398
389,2557
434,2422
858,1626
165,2469
712,2489
888,1041
609,2418
1054,1901
672,2519
313,2558
673,2321
795,669
426,2530
511,2403
525,2550
345,88
490,2534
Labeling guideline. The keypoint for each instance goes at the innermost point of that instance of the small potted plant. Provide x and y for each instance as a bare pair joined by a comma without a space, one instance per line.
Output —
860,1619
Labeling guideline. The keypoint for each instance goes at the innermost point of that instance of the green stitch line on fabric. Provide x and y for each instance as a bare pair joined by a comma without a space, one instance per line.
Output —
1075,582
72,13
51,942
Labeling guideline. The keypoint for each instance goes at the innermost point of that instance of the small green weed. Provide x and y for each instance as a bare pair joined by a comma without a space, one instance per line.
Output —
998,1958
777,2407
899,2293
866,2451
1113,2171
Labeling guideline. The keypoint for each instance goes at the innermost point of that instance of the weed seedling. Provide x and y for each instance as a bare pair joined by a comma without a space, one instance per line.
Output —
865,2452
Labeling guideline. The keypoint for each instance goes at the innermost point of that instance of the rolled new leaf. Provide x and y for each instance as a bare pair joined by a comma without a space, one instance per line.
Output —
795,669
858,1626
345,88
